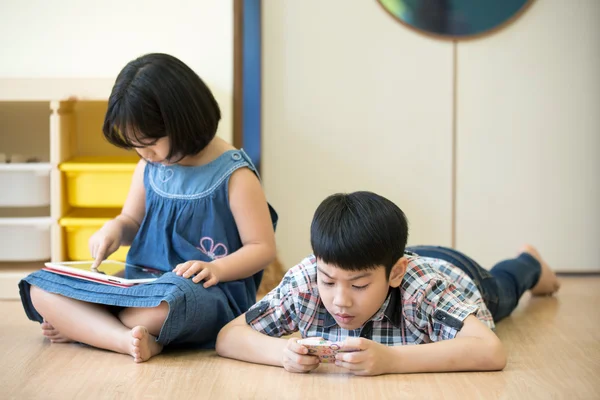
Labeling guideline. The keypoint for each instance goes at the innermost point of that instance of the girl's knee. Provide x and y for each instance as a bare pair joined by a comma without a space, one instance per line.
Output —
159,316
152,317
163,308
160,313
37,295
39,299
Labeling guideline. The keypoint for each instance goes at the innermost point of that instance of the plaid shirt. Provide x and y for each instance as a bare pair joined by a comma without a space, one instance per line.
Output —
433,300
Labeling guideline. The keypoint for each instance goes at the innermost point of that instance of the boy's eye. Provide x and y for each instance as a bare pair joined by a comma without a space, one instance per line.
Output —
327,283
360,287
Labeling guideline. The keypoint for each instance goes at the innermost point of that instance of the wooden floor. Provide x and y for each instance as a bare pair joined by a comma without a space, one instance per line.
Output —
553,344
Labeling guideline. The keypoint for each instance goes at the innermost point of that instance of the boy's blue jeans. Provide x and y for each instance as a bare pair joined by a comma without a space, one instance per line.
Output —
502,286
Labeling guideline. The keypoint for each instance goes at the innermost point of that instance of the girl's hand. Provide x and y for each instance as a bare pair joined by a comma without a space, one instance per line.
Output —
208,272
370,359
104,242
296,358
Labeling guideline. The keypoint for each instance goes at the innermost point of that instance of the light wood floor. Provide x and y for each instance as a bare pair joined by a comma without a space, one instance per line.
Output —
553,344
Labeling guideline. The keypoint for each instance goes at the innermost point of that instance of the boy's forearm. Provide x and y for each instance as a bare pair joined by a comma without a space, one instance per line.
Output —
239,341
245,262
458,354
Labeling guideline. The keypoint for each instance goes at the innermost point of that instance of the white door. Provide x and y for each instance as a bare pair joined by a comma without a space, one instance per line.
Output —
528,164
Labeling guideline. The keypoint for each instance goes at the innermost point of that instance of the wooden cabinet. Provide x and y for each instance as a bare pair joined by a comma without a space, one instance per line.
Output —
53,193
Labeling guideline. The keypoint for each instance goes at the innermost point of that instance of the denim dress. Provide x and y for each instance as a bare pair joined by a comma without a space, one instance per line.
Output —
187,218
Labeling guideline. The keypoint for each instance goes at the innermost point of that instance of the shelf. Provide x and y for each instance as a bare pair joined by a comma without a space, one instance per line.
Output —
40,89
24,212
25,185
79,126
25,129
25,239
10,275
80,224
101,163
40,167
58,124
98,181
89,215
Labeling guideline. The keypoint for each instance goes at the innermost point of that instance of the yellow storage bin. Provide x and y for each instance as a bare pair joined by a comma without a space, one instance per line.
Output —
80,225
98,181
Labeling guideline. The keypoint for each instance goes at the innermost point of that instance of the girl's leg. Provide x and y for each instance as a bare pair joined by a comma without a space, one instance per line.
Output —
146,324
53,334
94,325
152,318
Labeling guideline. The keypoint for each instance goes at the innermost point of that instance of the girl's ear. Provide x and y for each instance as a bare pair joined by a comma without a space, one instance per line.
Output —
397,272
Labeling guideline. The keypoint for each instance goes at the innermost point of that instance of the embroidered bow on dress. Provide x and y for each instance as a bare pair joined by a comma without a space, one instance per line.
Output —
212,250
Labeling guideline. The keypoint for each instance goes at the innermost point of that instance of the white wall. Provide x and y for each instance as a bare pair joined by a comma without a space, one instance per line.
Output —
353,101
82,39
529,137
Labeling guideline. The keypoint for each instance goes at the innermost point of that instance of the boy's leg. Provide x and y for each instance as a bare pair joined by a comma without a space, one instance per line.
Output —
94,325
515,276
482,278
503,286
548,283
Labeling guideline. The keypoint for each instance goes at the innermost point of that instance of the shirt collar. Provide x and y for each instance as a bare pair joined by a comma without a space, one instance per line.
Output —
393,311
329,321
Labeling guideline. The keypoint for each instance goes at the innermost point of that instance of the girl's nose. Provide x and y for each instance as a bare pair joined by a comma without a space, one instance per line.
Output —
145,153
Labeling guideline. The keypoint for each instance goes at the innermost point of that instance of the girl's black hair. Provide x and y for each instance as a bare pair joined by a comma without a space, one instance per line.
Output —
359,231
156,96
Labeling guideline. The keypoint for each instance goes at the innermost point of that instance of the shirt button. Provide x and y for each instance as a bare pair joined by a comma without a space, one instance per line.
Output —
236,156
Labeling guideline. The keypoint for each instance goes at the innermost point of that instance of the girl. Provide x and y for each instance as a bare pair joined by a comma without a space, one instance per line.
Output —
195,207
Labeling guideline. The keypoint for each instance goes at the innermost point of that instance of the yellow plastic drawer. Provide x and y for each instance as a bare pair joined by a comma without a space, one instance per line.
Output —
98,181
80,225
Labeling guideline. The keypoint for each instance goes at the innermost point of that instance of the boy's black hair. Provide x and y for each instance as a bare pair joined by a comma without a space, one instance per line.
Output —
156,96
359,231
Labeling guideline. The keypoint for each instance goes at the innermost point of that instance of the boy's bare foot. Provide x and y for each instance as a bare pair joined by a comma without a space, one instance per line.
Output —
143,345
53,334
548,282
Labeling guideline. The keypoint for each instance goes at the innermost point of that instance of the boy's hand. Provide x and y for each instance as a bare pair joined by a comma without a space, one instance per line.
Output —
371,359
204,271
296,358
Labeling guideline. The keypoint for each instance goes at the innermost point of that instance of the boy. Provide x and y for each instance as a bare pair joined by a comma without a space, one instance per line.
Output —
362,289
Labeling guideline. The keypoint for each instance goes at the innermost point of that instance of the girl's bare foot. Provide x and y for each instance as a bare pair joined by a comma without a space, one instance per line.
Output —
53,334
143,345
548,282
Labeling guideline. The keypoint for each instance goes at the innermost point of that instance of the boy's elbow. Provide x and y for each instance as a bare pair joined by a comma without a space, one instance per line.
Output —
231,337
221,346
496,356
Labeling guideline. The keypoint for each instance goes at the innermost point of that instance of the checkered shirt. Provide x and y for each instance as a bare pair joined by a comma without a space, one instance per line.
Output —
430,305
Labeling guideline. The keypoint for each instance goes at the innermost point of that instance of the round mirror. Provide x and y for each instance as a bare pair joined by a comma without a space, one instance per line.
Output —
455,19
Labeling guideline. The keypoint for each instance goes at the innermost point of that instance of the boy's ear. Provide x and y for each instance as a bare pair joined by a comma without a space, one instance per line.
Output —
397,272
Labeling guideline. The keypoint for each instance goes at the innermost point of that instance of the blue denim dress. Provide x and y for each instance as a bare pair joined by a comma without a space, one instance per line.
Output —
187,218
